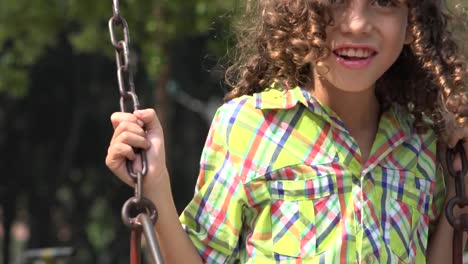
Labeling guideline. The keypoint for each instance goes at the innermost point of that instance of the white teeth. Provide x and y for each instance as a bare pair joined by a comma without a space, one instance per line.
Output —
358,53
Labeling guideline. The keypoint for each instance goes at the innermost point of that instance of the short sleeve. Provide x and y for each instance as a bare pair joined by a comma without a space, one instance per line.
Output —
213,218
438,199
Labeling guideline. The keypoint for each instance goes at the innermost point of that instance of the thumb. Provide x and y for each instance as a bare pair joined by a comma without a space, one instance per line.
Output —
149,118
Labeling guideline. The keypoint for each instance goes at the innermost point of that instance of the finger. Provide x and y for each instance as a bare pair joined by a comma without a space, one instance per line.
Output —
117,153
149,118
119,117
457,165
130,127
457,135
133,140
457,161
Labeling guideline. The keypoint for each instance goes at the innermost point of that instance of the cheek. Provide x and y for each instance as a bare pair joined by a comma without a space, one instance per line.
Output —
404,30
401,26
397,25
329,32
397,35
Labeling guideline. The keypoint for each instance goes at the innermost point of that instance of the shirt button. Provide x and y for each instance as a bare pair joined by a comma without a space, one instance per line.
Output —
368,187
370,259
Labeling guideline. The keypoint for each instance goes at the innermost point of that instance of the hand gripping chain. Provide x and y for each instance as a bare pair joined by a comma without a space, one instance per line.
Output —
147,217
458,222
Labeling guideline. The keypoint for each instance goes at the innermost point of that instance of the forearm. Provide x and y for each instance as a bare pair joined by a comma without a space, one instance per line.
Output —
440,245
176,247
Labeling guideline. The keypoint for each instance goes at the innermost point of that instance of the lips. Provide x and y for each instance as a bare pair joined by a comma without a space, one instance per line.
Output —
354,57
354,53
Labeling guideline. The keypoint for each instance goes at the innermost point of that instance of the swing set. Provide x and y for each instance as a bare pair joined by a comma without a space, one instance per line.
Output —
146,218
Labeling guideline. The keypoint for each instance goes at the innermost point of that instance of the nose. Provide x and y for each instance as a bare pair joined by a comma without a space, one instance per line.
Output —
356,19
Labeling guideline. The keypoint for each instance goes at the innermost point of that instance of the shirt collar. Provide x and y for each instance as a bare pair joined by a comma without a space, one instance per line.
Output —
278,97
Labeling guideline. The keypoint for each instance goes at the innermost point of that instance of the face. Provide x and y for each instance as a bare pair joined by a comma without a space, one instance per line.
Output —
366,38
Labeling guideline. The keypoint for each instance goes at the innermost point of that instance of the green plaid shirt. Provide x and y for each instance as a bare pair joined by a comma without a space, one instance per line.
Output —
282,181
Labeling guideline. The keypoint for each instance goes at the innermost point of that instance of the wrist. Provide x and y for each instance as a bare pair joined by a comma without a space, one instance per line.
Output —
450,189
158,188
451,193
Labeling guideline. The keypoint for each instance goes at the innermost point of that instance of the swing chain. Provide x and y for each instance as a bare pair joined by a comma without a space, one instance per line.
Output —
125,76
122,55
148,213
459,222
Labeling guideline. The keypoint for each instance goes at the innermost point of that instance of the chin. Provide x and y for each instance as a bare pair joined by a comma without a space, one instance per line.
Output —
355,87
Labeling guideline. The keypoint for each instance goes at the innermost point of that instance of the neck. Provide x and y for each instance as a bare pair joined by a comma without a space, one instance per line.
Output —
358,110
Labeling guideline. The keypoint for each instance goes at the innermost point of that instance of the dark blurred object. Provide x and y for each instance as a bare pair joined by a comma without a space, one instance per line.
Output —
57,255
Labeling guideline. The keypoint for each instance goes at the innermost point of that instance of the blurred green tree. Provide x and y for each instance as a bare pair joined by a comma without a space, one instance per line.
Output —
28,28
55,56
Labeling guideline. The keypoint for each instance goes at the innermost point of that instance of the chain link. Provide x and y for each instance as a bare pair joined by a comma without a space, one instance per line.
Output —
122,57
460,200
125,76
148,213
458,222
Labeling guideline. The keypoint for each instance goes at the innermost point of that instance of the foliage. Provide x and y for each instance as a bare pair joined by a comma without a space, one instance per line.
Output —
458,9
29,28
51,59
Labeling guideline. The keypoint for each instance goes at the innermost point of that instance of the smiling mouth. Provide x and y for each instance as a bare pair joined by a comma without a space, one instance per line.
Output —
355,54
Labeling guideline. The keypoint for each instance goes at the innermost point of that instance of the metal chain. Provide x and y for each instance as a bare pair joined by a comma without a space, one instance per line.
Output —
458,222
147,217
125,75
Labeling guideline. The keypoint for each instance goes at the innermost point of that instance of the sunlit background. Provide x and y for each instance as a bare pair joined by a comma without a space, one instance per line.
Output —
58,88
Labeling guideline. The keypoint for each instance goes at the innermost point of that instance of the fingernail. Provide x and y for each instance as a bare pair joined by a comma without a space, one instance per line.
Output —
140,122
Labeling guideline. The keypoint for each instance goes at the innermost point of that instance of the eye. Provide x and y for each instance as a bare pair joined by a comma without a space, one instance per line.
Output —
336,2
385,3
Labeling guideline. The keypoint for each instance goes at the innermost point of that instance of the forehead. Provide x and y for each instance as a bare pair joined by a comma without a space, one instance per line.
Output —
326,2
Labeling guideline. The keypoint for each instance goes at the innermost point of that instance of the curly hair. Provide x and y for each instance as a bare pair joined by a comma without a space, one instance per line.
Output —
285,37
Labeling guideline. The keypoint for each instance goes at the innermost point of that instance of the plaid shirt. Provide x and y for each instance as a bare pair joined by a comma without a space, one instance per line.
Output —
282,181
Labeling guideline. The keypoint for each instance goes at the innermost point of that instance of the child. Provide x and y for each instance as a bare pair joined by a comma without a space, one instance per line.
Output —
326,150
